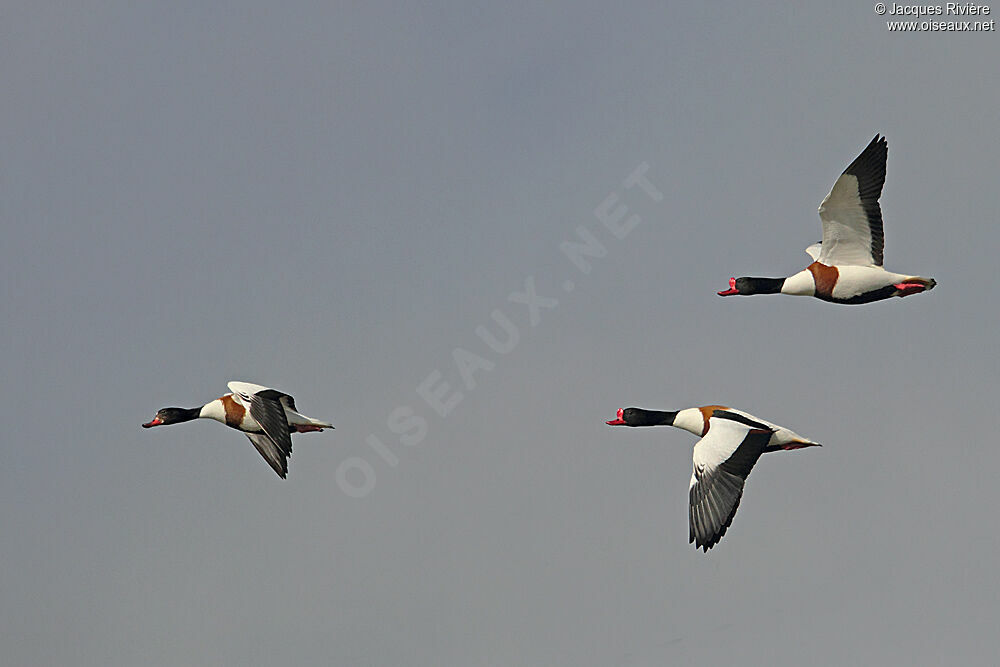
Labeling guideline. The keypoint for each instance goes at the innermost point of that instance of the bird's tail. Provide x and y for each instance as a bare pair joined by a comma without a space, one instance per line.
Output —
296,419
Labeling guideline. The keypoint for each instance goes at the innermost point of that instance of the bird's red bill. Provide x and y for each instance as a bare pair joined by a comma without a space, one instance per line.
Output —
619,421
156,422
732,289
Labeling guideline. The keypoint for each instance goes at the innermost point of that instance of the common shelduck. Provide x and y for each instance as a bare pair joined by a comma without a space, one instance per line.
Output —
267,416
731,442
848,261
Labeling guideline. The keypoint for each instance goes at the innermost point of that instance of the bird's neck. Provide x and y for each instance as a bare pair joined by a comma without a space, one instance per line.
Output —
654,418
759,285
186,415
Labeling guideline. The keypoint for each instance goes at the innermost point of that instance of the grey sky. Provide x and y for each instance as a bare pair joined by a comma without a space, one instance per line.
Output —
329,199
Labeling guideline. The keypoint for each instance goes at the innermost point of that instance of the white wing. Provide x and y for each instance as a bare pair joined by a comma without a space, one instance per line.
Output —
246,389
722,461
852,218
815,249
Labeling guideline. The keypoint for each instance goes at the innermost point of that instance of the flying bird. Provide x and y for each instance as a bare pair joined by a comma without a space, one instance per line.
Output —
267,416
731,442
847,266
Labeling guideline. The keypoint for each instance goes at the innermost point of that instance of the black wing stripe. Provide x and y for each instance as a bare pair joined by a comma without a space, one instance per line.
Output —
742,461
732,416
280,396
273,395
271,453
869,169
270,414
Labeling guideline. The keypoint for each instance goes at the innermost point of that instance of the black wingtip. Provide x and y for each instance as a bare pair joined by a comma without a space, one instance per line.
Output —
732,416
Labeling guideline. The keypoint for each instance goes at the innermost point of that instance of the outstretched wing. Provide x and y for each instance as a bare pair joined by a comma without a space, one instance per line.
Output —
248,389
722,461
852,218
266,408
272,453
